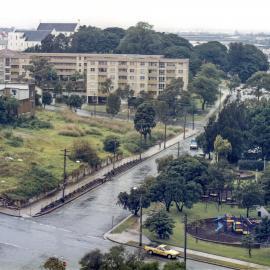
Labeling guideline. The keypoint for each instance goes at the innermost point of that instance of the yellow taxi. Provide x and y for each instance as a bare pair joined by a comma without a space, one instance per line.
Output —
162,250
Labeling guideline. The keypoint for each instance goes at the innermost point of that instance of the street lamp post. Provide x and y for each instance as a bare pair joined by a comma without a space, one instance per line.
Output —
185,240
141,214
65,175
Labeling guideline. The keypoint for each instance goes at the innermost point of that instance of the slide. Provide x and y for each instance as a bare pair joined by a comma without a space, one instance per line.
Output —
219,227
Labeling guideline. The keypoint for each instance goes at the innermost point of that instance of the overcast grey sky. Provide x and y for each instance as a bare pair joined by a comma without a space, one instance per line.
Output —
173,15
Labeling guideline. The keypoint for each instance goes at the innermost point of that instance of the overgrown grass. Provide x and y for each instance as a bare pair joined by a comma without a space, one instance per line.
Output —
21,148
128,224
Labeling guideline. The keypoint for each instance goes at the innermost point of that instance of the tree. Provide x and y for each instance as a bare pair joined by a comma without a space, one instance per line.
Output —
74,101
206,89
11,106
174,266
144,119
248,243
106,87
111,144
58,89
126,94
46,98
92,260
161,224
54,264
211,71
83,151
259,81
234,82
181,182
220,178
250,195
259,127
113,104
245,59
265,184
262,231
222,147
42,72
213,52
163,162
131,201
162,112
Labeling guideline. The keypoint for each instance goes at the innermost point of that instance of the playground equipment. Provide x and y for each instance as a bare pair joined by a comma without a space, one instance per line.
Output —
234,224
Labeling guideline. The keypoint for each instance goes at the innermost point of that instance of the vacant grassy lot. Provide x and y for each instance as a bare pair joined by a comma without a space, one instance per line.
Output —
199,211
21,148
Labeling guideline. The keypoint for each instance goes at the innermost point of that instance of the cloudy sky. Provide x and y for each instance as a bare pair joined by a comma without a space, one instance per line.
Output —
172,15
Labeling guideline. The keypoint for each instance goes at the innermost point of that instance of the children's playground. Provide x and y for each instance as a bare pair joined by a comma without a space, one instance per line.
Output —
225,229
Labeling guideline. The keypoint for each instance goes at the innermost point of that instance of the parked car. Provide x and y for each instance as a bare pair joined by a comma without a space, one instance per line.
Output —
193,145
162,250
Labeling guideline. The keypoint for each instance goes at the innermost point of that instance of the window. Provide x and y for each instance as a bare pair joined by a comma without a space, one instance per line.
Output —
85,64
104,63
132,63
102,70
131,77
132,70
161,72
142,71
142,64
170,65
161,79
142,85
142,78
122,77
152,64
180,71
122,63
80,58
161,86
92,69
122,70
80,64
161,65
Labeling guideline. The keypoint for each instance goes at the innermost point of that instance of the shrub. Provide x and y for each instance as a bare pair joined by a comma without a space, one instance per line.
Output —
33,123
132,147
7,134
70,133
111,144
35,182
15,141
82,150
251,165
93,131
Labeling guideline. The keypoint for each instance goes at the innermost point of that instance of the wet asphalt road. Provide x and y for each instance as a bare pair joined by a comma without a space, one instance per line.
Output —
75,229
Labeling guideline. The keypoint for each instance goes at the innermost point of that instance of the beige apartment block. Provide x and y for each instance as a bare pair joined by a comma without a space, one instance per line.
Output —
149,73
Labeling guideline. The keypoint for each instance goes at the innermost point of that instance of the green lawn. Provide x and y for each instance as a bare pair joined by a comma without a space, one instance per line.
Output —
44,146
129,223
199,211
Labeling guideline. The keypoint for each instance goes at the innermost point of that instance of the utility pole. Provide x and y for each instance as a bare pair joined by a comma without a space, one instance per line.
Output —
141,142
95,105
178,149
65,175
114,154
185,123
264,163
185,240
219,108
193,122
165,134
141,213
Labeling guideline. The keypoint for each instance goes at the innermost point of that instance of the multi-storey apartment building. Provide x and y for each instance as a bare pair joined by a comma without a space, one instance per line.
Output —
149,73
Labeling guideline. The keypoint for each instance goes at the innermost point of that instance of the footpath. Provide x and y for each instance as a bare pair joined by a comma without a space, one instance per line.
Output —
130,237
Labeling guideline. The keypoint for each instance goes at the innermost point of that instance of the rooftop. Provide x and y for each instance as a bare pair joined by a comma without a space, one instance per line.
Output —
36,35
59,27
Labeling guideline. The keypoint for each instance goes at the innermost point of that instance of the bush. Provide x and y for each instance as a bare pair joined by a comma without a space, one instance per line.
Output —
7,134
93,131
37,181
33,123
82,150
132,147
251,165
111,144
69,133
15,141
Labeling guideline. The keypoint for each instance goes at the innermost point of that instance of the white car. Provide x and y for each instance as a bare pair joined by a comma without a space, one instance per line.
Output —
193,145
